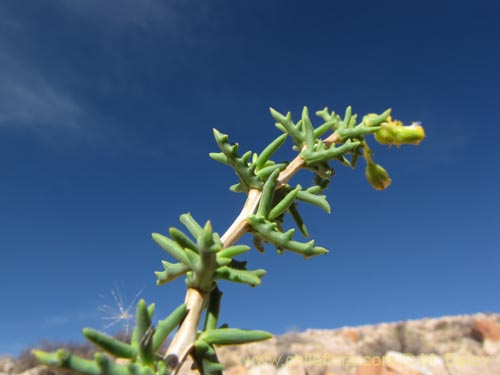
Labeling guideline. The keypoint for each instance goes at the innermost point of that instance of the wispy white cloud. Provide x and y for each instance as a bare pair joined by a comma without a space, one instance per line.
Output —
148,15
29,99
36,102
34,99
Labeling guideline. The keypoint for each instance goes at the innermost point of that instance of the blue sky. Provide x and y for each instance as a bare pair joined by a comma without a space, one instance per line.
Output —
106,117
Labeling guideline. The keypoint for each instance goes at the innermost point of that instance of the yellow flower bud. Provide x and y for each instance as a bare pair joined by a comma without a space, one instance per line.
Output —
384,136
395,133
413,134
377,176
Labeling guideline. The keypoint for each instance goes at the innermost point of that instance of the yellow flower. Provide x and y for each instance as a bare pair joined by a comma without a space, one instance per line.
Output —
395,133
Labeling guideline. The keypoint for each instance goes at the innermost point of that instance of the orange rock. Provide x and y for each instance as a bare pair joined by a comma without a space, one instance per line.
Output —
486,329
367,369
351,334
393,369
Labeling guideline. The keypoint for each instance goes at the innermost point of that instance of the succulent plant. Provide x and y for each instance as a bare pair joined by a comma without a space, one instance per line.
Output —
204,257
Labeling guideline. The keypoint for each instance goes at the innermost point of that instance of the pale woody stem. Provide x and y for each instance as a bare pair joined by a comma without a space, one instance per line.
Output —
195,300
186,335
239,226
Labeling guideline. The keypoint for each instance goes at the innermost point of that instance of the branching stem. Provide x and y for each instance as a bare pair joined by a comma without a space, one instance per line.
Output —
195,300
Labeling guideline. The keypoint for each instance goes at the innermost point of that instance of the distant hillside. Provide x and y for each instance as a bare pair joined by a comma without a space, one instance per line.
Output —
456,345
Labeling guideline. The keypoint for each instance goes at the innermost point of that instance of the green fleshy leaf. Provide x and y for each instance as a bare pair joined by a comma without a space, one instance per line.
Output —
265,172
217,241
322,129
110,344
183,240
233,336
280,127
287,123
205,242
268,231
193,257
297,218
212,315
376,120
145,333
283,205
221,261
171,247
166,326
206,359
191,224
267,194
246,157
300,127
352,123
151,311
237,188
318,200
220,157
172,271
252,278
310,140
347,117
104,363
232,251
314,189
324,114
201,346
269,151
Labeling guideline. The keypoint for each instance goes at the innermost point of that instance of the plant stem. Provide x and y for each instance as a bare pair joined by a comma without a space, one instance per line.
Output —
195,300
239,226
186,335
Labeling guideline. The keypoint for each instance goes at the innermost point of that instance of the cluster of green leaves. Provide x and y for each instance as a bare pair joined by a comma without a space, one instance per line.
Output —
139,356
203,259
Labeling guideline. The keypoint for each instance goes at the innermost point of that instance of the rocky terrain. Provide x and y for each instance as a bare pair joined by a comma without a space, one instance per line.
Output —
458,345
